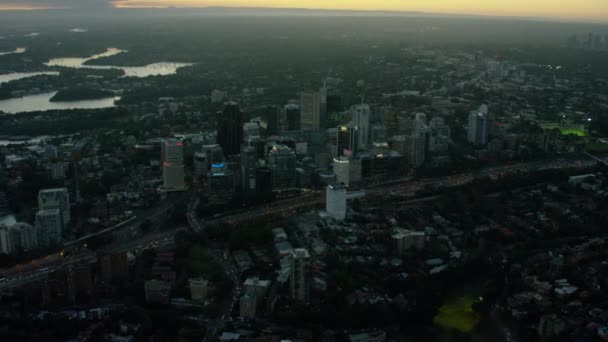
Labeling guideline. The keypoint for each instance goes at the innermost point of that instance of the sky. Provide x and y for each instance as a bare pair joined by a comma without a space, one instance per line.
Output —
596,10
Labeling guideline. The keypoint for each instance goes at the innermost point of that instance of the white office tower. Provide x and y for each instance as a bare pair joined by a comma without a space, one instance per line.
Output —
361,114
200,165
59,199
478,127
172,154
6,241
25,237
415,149
341,170
300,275
48,227
310,111
335,201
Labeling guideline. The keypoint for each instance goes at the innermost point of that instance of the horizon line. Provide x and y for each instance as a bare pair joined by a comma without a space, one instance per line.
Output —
361,12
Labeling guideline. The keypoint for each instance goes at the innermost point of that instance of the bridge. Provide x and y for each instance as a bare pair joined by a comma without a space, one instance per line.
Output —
603,161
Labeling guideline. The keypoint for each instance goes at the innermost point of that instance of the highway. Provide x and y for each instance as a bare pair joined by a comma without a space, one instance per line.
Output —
38,269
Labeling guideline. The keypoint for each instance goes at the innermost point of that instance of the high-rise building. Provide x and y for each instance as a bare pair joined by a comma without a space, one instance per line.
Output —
341,170
282,165
49,227
172,155
361,113
201,164
263,180
230,129
354,170
7,245
335,201
322,107
310,111
415,149
220,182
248,166
24,236
299,280
59,199
347,142
274,120
248,305
391,121
292,117
478,128
198,288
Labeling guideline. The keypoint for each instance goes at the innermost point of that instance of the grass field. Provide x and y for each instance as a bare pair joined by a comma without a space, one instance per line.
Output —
578,130
458,314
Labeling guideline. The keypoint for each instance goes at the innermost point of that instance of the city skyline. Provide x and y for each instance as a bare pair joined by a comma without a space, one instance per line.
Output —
590,10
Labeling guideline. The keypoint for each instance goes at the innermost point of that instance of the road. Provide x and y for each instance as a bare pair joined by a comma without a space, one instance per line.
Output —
39,268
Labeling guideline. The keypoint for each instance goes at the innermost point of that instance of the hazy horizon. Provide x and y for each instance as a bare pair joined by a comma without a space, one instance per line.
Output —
593,11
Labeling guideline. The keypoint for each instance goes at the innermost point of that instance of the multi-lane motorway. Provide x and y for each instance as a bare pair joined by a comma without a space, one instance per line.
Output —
39,269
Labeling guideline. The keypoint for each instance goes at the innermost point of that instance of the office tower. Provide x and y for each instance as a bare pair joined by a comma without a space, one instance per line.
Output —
282,165
292,117
347,142
251,130
220,182
299,280
415,149
172,155
215,154
201,165
49,227
248,166
247,305
361,114
7,245
198,288
341,170
378,133
335,201
391,121
478,128
230,129
114,266
354,170
310,111
56,199
274,120
25,237
263,180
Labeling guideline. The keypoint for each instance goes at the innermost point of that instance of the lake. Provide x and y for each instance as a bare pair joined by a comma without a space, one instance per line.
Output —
155,69
19,75
40,102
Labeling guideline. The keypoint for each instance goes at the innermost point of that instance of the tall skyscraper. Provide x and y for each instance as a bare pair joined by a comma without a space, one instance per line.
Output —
59,199
335,201
172,153
341,170
310,111
248,166
300,275
415,149
282,164
361,114
49,227
347,140
201,164
478,128
292,117
230,129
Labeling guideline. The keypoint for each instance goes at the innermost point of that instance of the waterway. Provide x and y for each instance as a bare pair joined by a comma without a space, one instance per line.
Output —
41,102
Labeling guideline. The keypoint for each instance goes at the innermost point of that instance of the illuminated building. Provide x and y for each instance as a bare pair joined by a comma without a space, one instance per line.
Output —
347,140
